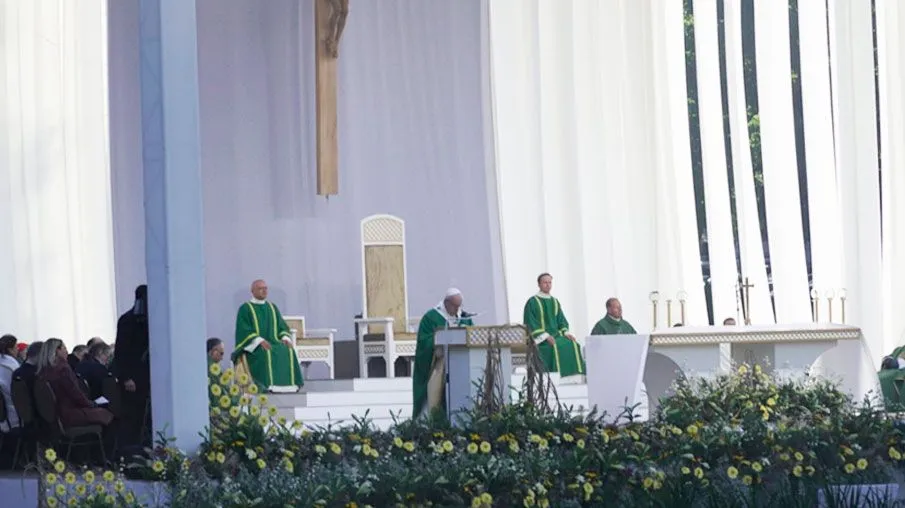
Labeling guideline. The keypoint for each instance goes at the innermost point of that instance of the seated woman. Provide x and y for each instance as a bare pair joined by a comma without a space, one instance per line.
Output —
8,365
73,407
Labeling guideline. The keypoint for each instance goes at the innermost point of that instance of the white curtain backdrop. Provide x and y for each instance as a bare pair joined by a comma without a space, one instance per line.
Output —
781,189
723,274
854,97
817,110
891,46
751,250
584,157
56,265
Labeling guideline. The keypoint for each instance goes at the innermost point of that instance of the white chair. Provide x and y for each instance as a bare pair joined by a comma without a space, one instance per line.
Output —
312,345
384,330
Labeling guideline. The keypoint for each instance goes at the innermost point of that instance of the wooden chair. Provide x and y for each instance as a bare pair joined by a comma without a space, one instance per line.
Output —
383,328
70,437
312,345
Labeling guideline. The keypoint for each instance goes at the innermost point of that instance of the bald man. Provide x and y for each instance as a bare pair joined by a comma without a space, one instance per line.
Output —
428,395
264,345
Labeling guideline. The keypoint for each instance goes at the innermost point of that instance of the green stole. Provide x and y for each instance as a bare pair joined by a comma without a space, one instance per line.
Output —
543,314
277,369
427,360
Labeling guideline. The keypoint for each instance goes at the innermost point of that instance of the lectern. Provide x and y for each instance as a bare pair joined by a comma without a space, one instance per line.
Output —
465,352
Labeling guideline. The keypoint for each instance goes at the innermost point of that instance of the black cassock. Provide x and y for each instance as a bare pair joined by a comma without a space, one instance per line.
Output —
131,360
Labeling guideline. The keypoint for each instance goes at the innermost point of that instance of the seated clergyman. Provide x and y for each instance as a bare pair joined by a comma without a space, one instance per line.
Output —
428,373
612,323
264,344
547,325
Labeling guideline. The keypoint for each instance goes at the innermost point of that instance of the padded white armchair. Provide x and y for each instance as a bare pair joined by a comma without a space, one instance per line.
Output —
312,345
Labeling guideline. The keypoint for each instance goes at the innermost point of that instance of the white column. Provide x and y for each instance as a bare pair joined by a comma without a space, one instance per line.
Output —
721,245
751,248
781,191
173,218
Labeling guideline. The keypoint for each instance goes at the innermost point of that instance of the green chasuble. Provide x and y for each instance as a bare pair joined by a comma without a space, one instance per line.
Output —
610,326
544,317
433,320
274,370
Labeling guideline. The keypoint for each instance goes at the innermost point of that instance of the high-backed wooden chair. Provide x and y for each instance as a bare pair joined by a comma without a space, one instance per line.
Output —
384,330
312,345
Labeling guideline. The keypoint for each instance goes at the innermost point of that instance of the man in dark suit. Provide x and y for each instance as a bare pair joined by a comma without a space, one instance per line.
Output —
133,369
76,356
93,369
29,368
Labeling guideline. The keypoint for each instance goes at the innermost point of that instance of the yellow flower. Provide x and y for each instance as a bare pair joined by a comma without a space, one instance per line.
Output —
894,454
485,447
262,420
862,464
447,446
542,444
81,489
472,448
253,389
119,486
254,411
528,501
130,498
798,456
99,488
732,472
61,490
157,466
849,468
686,470
747,480
513,446
215,369
88,476
796,471
335,448
568,437
743,370
60,466
397,442
215,390
225,402
234,411
52,502
580,443
771,402
784,457
69,478
543,503
810,470
50,455
588,488
109,499
234,390
757,467
221,458
487,499
261,464
648,483
50,478
692,430
698,473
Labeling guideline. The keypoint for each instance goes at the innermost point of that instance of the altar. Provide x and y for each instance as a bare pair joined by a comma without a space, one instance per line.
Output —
619,365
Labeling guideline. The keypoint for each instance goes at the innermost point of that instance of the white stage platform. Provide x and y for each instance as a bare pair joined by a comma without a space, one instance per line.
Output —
338,402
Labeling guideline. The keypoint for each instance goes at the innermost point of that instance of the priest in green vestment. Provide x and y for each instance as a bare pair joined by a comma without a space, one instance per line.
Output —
612,323
429,372
264,344
548,327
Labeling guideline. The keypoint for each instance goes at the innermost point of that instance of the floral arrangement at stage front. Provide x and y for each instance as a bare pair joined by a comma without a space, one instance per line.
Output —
745,439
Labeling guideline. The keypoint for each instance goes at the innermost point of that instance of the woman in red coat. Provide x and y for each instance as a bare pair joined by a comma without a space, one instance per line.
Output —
73,407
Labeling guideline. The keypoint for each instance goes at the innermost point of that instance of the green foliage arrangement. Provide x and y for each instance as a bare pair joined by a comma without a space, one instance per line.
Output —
746,439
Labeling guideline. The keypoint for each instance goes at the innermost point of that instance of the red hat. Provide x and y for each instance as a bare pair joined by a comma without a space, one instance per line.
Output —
21,346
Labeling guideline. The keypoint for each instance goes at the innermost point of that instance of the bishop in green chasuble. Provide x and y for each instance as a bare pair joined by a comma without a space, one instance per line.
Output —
264,344
612,323
429,372
548,327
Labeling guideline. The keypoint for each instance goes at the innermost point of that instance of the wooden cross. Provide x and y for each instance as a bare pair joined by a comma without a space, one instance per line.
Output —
330,20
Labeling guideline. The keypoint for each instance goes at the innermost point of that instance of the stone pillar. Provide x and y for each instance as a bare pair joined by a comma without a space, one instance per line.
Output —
174,253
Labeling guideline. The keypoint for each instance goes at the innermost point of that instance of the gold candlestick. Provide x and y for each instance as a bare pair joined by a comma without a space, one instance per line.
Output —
830,294
815,305
669,313
842,296
682,296
654,300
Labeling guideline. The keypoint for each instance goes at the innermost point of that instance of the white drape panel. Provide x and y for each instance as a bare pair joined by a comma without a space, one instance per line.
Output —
891,46
817,110
580,167
55,213
781,190
857,179
723,275
751,250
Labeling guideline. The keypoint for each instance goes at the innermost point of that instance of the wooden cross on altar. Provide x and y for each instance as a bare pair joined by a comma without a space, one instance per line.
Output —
330,20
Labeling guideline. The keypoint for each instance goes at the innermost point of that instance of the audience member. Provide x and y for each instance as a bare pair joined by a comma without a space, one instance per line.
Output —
78,353
133,369
95,340
8,365
73,407
93,368
29,369
20,351
214,350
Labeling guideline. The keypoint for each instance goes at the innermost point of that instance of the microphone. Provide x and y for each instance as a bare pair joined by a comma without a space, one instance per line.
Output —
470,314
